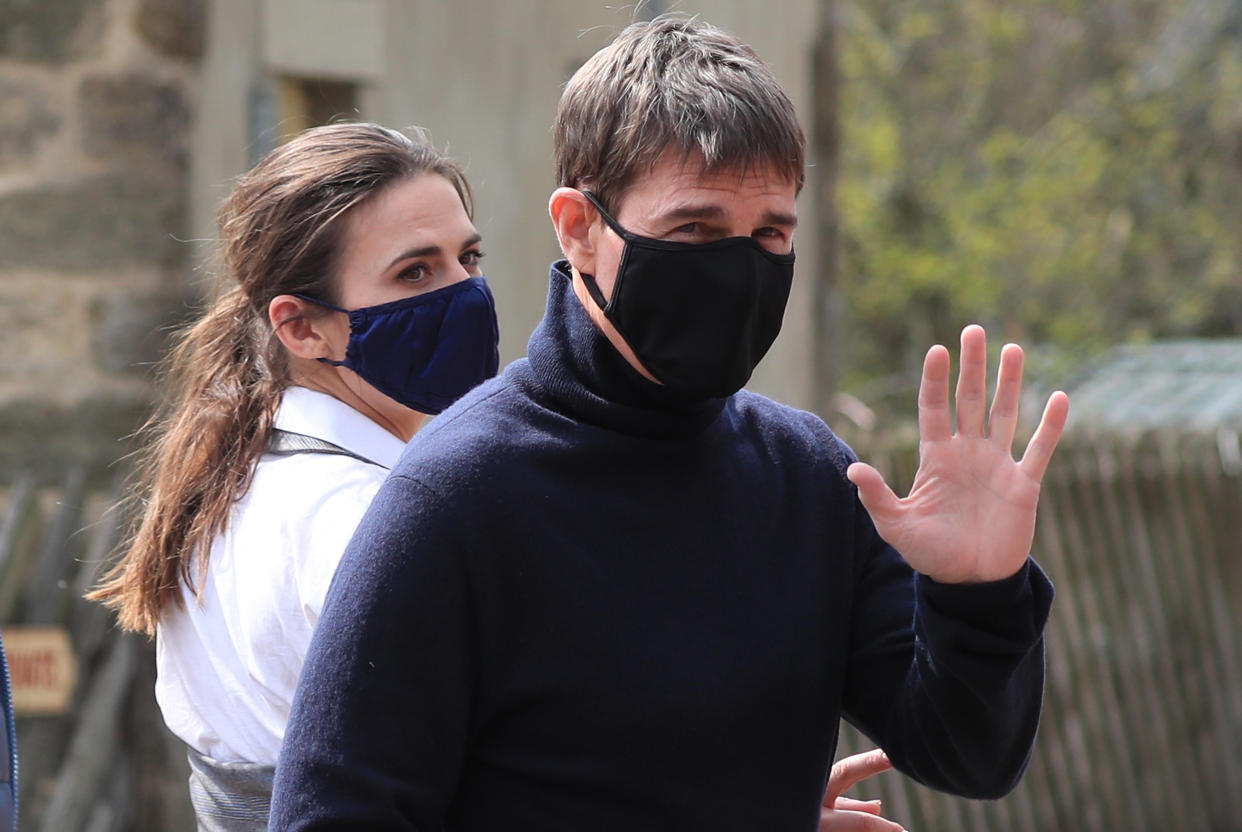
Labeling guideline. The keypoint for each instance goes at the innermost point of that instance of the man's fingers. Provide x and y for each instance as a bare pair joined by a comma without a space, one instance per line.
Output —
852,770
972,382
934,424
849,804
838,821
875,495
1047,435
1003,420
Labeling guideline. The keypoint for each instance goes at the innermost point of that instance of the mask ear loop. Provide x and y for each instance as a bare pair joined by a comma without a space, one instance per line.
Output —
612,223
334,308
319,302
589,279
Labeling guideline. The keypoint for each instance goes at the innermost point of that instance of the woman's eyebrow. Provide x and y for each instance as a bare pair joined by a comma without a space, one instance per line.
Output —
433,250
421,251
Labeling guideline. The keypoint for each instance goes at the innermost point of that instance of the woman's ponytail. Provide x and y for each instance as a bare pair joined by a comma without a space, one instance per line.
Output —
198,462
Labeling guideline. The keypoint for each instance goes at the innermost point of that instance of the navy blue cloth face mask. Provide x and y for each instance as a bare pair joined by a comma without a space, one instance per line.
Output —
425,351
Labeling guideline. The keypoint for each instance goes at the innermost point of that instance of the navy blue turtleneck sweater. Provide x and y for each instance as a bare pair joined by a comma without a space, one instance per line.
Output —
583,603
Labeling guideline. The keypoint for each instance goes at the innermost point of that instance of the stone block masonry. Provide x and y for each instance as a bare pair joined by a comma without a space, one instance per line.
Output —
50,31
96,104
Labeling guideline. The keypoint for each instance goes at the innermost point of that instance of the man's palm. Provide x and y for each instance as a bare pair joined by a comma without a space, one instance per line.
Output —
970,515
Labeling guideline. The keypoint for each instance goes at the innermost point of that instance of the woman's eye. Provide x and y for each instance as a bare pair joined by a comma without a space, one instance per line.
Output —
472,258
414,274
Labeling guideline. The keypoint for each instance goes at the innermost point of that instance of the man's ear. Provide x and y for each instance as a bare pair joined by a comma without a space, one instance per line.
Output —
573,217
298,327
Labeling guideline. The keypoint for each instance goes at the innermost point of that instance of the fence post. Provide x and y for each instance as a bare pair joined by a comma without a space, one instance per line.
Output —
94,747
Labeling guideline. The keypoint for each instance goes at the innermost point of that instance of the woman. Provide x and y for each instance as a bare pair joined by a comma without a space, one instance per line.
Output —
356,307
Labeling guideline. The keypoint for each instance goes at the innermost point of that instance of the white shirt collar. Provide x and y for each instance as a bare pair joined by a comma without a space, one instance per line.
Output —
310,412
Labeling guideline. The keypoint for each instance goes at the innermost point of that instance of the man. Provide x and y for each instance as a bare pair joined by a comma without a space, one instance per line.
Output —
609,591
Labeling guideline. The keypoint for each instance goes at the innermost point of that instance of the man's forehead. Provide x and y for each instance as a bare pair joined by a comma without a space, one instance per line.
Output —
680,184
689,169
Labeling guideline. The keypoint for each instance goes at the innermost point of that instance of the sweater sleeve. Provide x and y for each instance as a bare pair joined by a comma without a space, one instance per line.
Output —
948,679
378,727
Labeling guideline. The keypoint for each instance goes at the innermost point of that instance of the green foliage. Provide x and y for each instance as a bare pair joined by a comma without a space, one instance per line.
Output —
1065,173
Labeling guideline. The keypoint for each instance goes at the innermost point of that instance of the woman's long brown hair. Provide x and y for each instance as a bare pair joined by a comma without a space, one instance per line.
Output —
281,233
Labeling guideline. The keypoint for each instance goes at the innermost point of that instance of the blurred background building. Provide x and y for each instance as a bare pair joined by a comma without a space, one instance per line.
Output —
122,123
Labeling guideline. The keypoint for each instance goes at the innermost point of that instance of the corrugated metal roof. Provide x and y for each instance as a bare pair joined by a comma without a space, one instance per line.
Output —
1175,386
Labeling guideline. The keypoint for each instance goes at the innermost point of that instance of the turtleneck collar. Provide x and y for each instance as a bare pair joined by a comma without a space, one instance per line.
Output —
576,366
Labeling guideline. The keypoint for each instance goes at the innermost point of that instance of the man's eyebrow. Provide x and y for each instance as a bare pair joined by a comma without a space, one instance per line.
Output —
780,218
714,212
693,212
432,251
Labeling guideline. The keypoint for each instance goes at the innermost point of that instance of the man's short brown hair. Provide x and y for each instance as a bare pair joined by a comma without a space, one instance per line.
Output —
673,84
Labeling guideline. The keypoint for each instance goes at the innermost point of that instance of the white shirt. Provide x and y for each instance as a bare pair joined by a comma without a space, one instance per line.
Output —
227,669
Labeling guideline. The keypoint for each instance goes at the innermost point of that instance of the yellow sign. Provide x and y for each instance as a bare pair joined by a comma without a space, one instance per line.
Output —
42,667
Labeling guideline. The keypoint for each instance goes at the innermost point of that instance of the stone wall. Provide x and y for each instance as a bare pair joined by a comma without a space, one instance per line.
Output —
96,103
106,175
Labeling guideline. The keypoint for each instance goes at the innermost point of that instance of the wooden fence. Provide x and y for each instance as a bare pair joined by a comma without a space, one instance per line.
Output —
1142,723
1142,726
107,764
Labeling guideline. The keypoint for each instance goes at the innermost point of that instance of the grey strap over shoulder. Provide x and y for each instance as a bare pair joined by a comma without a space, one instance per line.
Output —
229,797
288,443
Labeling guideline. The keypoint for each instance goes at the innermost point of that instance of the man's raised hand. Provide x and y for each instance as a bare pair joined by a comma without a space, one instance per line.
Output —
970,515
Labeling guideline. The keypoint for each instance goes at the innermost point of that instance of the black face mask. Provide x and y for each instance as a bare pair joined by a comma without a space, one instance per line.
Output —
699,316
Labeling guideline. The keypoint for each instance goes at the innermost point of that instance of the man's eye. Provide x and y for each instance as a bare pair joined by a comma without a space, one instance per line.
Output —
767,232
688,228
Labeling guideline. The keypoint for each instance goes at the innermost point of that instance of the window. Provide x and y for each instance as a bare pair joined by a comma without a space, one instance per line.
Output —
309,102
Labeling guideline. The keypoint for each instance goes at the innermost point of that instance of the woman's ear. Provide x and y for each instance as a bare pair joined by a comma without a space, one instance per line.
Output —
573,217
299,328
